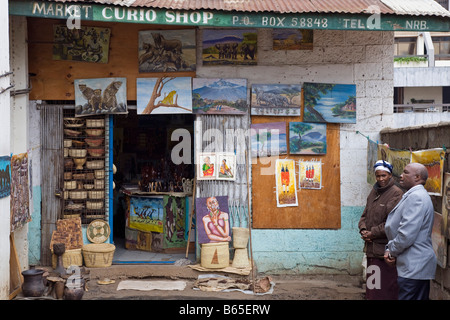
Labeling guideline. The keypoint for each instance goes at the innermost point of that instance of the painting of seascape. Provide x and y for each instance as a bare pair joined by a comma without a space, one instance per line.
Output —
333,103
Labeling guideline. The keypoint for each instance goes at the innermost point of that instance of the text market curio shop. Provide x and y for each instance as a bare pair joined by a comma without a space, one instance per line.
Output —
143,127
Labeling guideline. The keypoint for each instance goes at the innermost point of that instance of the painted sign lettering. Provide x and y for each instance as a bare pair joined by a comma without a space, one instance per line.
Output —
212,18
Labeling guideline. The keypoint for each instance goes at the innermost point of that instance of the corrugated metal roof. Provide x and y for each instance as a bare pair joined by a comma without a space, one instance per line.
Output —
396,7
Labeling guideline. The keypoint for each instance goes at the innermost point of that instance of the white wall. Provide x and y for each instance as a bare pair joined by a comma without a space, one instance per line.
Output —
5,148
19,114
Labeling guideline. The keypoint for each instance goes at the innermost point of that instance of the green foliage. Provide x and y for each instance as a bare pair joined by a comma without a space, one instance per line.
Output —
409,59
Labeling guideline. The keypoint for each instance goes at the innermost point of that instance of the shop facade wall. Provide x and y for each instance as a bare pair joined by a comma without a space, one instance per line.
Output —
364,58
360,57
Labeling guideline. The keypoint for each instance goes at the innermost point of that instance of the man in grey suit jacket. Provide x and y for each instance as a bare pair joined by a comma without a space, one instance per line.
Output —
408,229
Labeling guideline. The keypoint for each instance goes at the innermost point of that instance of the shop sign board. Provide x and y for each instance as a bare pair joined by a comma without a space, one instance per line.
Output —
212,18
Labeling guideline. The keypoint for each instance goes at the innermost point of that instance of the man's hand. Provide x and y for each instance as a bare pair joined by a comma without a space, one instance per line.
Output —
390,260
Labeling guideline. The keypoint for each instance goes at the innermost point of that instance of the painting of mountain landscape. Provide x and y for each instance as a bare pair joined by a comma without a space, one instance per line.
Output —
276,99
229,47
219,96
334,103
307,138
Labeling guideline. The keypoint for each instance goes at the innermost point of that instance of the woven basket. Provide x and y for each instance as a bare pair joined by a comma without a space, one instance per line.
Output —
97,194
215,255
96,164
240,259
90,123
240,237
69,258
98,255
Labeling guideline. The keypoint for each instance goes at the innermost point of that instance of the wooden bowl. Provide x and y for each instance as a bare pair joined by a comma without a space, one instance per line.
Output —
96,152
94,142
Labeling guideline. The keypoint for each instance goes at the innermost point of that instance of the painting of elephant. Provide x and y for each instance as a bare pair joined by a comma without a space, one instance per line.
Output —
229,47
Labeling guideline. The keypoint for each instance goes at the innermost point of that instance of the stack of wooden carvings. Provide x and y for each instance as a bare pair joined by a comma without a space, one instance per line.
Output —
68,231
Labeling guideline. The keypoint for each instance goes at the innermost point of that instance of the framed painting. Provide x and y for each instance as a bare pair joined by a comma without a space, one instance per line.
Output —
292,39
433,160
229,47
86,44
219,96
310,175
334,103
167,50
268,139
206,166
5,176
100,96
226,166
307,138
286,187
164,95
276,99
213,219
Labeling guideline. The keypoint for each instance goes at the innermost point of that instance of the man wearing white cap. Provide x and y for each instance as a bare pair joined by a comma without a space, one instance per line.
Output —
384,196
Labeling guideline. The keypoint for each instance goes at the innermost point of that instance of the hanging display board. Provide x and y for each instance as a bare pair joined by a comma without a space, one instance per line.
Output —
317,208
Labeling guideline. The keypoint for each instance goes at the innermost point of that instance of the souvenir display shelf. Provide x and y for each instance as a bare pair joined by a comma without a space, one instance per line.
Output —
84,168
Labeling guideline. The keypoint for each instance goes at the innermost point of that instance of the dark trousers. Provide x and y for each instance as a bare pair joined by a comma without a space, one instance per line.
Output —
412,289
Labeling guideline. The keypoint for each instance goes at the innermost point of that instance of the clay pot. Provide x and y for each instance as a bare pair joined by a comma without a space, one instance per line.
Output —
73,292
33,283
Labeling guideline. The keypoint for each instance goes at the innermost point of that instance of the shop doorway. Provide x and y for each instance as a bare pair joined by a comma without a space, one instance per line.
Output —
151,205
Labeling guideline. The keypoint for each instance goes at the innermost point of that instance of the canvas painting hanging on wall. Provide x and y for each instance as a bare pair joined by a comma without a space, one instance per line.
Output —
334,103
20,213
307,138
100,96
276,99
219,96
5,176
86,44
268,139
310,175
292,39
164,95
229,47
286,187
226,166
167,50
433,160
206,166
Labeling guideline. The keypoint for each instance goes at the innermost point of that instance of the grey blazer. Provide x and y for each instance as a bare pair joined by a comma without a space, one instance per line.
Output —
408,229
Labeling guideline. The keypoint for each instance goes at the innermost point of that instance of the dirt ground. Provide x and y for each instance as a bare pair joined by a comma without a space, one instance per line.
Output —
284,287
